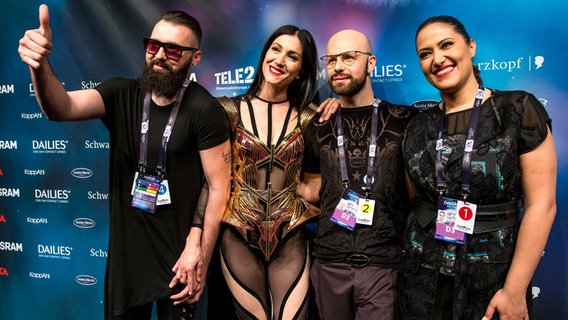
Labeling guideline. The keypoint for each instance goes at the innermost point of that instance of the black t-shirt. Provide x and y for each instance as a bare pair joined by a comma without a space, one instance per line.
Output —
381,241
143,247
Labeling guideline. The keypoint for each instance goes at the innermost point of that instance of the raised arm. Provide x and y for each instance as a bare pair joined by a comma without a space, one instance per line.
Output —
539,189
55,102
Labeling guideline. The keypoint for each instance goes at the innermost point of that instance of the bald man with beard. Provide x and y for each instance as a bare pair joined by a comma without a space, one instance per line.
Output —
353,169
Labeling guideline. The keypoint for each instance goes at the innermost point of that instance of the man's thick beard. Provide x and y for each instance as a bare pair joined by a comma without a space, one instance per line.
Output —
166,84
353,88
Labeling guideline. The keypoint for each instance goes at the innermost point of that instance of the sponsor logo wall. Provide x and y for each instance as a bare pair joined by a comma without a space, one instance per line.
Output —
54,176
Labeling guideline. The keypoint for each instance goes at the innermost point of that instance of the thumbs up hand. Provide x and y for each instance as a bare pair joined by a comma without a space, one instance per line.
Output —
44,27
35,45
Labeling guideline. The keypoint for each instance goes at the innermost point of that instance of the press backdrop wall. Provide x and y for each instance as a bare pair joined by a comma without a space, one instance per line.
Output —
53,176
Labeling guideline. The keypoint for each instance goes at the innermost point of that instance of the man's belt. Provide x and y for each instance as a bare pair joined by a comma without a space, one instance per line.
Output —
358,260
488,218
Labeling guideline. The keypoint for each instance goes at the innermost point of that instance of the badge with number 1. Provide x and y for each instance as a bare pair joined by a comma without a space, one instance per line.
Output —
465,219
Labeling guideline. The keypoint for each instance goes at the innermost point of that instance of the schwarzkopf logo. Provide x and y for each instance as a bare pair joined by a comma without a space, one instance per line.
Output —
86,280
84,223
82,173
531,63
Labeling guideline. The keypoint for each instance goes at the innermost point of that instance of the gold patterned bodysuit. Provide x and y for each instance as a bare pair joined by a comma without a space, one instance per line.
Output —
264,216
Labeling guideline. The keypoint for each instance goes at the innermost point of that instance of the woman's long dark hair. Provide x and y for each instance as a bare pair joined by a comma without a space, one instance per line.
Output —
458,27
300,91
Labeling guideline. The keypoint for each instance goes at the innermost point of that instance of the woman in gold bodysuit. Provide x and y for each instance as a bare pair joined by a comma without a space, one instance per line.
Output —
264,250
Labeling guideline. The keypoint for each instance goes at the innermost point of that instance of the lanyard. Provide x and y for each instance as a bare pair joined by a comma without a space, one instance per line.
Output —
161,166
372,149
468,148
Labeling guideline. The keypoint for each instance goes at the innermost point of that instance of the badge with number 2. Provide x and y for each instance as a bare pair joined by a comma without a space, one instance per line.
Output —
366,210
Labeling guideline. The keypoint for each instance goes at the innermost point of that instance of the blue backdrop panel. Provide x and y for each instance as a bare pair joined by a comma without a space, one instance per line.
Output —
54,176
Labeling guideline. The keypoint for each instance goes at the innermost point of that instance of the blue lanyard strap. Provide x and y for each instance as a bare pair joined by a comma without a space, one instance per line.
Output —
372,149
142,159
468,148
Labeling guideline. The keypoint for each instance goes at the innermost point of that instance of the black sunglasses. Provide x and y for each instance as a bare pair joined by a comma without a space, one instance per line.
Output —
172,51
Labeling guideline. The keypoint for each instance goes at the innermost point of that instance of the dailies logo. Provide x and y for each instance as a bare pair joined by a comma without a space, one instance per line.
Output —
3,272
388,73
50,146
52,195
32,89
383,73
54,252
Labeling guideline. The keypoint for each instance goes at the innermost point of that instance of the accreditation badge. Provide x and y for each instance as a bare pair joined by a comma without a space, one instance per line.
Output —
163,194
345,213
465,218
366,211
145,193
445,222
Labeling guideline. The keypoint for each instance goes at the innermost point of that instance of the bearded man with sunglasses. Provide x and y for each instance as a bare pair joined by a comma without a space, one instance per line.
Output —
355,159
167,134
